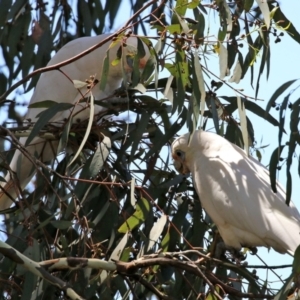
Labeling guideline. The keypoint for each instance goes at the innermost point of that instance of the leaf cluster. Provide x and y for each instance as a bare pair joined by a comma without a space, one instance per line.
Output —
112,194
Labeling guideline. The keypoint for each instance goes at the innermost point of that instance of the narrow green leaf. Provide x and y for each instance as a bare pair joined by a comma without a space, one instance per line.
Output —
30,282
135,78
278,92
132,190
181,7
60,224
42,104
44,117
273,167
291,151
156,231
228,18
222,34
95,164
223,61
243,121
212,106
161,139
199,27
141,123
63,141
193,4
178,221
183,24
234,135
194,109
264,8
101,213
285,23
88,130
165,241
253,107
248,4
105,71
237,73
139,216
265,55
92,167
7,7
197,69
116,254
174,28
282,114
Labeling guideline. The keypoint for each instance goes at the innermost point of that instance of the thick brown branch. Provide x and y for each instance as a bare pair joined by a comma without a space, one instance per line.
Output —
131,267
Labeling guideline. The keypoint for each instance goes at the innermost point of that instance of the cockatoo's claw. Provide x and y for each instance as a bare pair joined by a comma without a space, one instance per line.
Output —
253,250
121,92
236,254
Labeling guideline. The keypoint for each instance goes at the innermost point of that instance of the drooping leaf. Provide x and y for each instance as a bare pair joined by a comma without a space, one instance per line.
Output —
264,8
198,84
199,27
156,231
210,101
88,129
237,73
284,22
243,121
273,167
104,73
116,254
45,117
253,107
264,60
223,59
277,93
61,224
42,104
282,115
248,4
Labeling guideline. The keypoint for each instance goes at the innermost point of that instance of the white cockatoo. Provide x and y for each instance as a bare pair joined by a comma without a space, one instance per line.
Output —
235,191
58,86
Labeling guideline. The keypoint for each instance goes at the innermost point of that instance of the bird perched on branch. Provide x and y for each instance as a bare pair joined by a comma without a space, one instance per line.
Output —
67,84
235,191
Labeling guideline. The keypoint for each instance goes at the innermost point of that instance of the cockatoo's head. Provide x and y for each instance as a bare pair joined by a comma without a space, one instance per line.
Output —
180,149
129,49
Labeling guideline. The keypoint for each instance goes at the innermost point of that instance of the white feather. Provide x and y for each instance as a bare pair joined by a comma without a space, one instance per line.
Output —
235,191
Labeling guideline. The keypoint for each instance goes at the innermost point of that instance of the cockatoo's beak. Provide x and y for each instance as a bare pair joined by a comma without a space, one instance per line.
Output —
179,162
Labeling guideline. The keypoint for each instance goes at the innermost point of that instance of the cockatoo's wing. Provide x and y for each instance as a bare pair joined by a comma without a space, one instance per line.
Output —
235,191
54,85
58,86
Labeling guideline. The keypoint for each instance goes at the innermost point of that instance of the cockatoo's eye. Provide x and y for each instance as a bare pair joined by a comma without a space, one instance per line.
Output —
179,154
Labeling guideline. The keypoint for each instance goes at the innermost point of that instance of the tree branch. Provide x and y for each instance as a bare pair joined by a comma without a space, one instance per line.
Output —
123,268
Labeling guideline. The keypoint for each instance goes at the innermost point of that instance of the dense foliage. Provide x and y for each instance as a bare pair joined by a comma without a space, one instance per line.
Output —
119,221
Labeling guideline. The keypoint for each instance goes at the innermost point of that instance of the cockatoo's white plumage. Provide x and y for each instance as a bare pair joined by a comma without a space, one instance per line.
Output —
54,85
235,191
